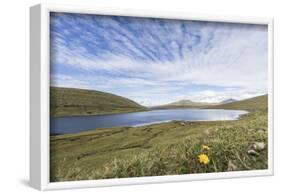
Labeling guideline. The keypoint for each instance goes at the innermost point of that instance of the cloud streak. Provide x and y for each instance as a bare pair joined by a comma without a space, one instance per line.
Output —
156,61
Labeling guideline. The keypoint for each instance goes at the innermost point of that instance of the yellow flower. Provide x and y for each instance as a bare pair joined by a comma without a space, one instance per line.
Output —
205,147
203,158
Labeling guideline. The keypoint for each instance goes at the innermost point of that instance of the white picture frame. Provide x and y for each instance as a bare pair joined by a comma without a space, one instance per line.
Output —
39,102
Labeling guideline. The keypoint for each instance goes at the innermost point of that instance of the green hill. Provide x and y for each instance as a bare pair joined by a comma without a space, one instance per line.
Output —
73,102
256,103
184,104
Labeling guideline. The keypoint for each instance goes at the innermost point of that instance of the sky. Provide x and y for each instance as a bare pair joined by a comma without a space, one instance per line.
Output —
158,61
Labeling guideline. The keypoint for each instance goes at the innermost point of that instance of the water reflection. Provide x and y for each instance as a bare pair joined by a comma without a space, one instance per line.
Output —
75,124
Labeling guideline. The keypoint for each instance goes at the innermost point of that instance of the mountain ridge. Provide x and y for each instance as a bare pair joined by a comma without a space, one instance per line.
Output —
254,103
184,104
78,102
250,103
228,101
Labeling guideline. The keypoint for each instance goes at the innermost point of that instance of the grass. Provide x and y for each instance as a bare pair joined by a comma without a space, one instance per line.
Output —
184,104
163,149
252,104
73,102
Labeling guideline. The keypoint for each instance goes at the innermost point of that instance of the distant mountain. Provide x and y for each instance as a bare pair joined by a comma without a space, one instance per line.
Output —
74,102
256,103
184,104
228,101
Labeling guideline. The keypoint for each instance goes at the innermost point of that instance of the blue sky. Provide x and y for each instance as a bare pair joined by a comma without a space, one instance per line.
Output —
158,61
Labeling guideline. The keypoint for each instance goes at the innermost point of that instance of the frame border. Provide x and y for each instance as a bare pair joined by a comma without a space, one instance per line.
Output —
39,97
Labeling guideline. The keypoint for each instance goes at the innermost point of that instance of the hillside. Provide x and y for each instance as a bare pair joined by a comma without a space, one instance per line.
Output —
184,104
256,103
73,102
228,101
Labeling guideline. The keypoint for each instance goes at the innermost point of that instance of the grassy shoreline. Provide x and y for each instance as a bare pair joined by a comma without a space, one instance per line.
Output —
159,149
101,114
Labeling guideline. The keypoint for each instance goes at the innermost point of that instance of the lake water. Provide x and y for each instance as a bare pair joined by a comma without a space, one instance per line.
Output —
74,124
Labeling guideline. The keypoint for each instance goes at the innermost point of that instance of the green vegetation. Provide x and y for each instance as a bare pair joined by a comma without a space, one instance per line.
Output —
71,102
185,104
165,148
256,103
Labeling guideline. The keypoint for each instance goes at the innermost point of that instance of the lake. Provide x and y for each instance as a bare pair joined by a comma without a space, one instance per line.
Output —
74,124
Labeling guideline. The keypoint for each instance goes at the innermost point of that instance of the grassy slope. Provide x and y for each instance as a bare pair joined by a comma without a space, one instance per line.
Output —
256,103
162,149
184,104
70,102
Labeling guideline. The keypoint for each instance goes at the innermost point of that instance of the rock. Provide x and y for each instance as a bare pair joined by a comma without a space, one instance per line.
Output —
259,146
253,153
231,166
182,123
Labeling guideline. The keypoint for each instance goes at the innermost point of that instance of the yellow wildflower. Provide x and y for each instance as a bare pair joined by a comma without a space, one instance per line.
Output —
205,147
203,158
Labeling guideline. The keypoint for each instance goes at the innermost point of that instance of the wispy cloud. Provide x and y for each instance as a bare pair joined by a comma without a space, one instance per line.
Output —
156,61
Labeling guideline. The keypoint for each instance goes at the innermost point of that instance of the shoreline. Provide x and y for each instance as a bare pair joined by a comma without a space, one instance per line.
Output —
158,122
99,114
150,125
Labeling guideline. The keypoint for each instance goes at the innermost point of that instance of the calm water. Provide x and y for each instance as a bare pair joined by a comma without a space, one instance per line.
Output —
63,125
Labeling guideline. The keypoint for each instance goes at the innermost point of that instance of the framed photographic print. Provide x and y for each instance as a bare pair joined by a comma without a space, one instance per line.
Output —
124,97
